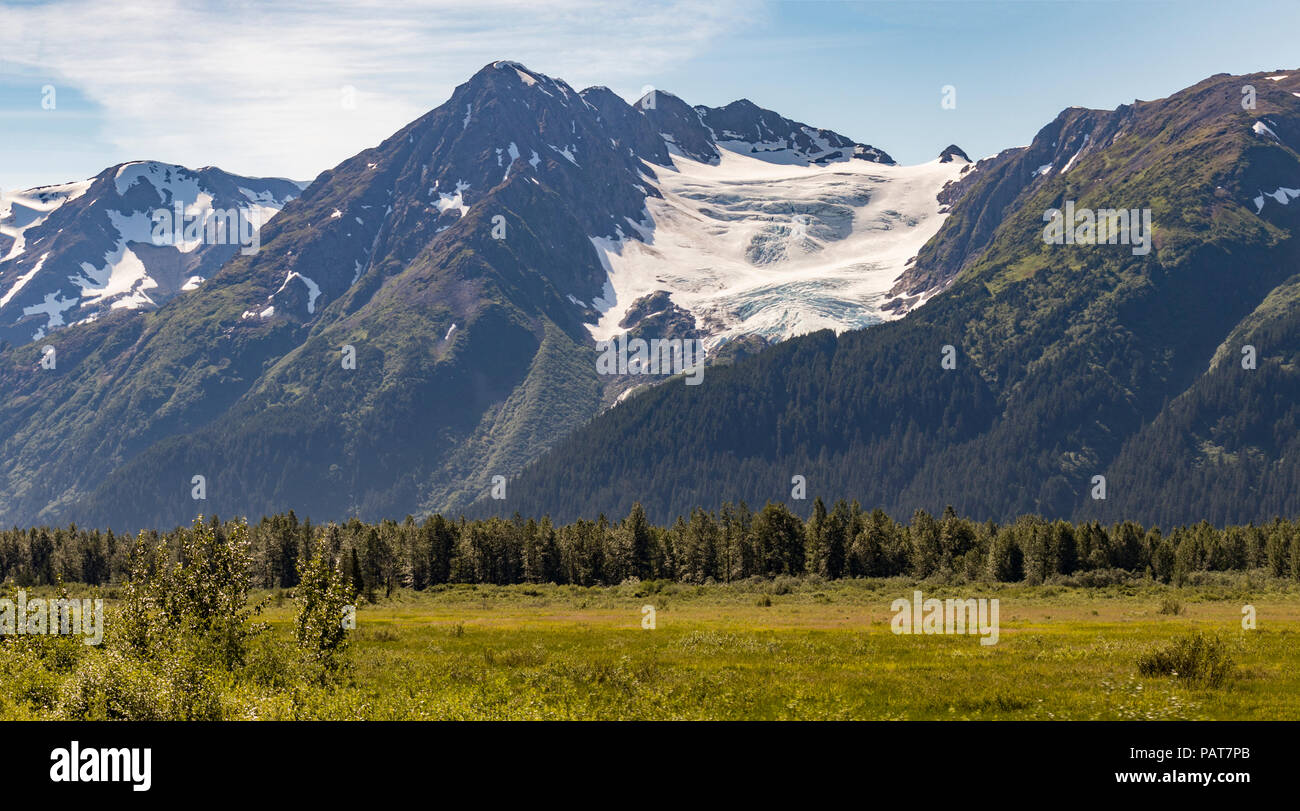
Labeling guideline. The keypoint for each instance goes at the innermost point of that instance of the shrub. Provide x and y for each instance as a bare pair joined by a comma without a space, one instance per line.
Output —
113,687
1200,659
197,599
181,634
782,585
325,598
118,687
1170,605
270,664
35,686
193,688
1099,578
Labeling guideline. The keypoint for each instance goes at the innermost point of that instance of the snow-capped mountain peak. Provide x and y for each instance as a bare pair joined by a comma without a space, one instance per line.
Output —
129,238
746,128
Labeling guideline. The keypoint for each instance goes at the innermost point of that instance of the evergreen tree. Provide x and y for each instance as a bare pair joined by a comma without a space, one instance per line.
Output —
927,552
1006,561
839,532
815,535
638,540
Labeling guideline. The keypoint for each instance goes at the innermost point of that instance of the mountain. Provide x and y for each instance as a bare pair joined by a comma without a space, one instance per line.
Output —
764,226
751,247
1165,361
75,252
745,128
421,318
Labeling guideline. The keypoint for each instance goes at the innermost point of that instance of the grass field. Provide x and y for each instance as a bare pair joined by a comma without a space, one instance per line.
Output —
783,649
818,651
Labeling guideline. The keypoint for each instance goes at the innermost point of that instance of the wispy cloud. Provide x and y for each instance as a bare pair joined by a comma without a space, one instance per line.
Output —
258,88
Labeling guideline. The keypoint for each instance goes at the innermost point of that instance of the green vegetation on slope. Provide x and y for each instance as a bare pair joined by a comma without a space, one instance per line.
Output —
1070,361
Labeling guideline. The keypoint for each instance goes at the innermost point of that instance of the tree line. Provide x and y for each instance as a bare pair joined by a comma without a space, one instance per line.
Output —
730,544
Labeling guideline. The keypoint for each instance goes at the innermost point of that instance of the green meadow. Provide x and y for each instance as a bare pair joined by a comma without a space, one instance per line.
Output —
792,649
788,649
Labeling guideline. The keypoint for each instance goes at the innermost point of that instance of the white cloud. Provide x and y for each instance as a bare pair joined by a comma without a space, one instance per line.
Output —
256,88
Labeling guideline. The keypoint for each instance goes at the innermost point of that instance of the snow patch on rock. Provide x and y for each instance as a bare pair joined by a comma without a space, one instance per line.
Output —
751,246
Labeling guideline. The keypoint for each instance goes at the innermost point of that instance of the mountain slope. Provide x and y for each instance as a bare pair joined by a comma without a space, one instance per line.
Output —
244,382
71,253
457,263
747,129
1072,361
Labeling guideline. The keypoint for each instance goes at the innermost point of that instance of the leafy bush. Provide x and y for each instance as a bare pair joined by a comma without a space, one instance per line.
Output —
197,599
1171,605
1095,578
270,664
182,644
114,687
782,584
325,597
35,686
1200,659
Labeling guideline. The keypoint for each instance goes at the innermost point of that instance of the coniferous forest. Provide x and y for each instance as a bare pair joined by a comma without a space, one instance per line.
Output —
731,544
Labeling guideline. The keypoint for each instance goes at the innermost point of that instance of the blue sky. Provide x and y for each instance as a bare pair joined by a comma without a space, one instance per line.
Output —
255,88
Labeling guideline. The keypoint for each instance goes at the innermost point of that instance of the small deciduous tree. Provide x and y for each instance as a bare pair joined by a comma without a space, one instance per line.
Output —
324,598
